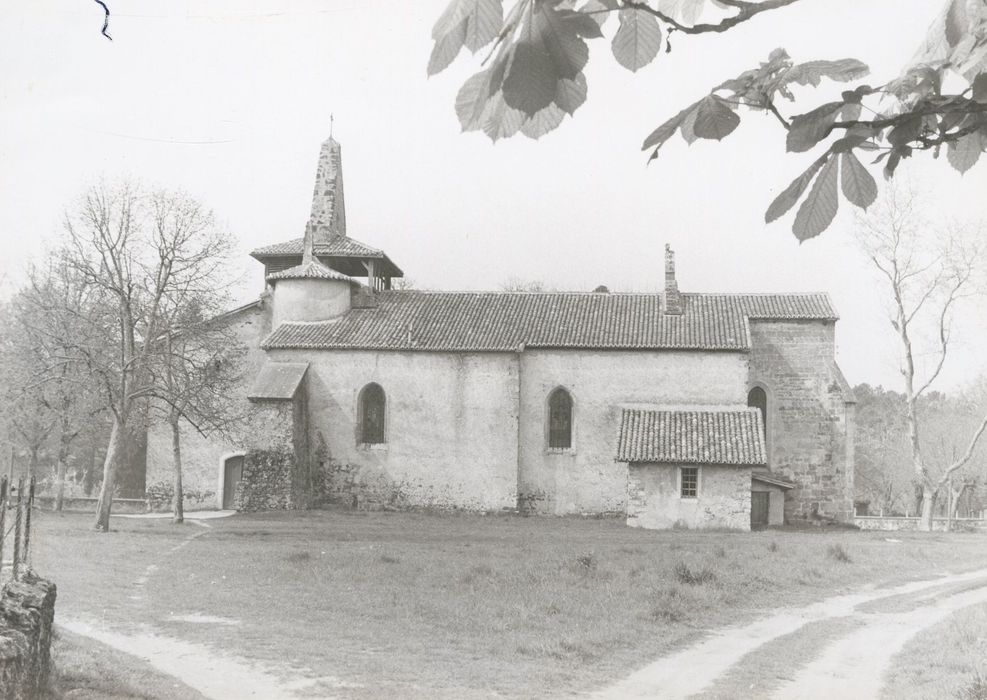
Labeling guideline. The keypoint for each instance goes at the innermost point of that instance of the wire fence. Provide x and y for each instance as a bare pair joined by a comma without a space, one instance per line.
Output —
16,503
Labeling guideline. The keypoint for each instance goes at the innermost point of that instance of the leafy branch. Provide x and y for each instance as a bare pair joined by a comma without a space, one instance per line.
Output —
533,77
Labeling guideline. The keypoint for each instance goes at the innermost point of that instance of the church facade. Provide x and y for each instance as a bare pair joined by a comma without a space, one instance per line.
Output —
671,409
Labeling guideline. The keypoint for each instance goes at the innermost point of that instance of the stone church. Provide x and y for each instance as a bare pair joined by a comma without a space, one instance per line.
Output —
670,409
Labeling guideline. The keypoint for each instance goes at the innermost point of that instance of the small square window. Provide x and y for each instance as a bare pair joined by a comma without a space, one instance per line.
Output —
689,482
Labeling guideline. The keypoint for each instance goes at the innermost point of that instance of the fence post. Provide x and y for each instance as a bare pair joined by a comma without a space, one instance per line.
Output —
29,503
17,528
3,518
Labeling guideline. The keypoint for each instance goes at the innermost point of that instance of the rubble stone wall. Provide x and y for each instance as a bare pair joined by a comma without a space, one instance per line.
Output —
27,611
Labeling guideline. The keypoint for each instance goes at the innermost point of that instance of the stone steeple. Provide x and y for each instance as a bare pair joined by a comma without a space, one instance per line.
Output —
328,218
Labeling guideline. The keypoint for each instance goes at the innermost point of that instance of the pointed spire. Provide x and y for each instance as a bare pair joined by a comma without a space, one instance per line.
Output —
328,219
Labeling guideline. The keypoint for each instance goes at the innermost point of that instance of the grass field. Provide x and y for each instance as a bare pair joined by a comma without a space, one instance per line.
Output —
946,661
457,606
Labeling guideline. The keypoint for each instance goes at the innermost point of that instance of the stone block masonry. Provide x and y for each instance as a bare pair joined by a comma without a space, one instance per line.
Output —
27,611
809,418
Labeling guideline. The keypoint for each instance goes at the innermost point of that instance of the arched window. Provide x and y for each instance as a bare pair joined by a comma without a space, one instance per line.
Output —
756,398
559,420
371,410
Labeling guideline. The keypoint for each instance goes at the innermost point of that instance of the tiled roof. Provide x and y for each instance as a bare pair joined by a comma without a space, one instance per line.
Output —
787,306
504,321
733,436
278,381
340,246
310,270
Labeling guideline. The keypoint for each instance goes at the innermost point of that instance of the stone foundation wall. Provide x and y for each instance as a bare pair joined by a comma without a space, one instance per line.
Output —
911,523
723,498
27,610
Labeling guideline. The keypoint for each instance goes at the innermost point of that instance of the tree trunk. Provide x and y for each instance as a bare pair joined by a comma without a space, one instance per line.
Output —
60,479
114,452
178,514
89,472
32,466
928,508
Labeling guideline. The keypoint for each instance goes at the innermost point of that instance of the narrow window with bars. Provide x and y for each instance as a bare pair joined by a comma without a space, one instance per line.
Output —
689,482
559,420
371,409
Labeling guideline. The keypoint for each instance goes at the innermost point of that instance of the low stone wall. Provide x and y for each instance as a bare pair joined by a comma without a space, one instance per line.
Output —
87,504
877,522
27,610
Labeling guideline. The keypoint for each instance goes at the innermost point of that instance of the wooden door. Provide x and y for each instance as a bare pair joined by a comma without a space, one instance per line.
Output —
232,471
759,508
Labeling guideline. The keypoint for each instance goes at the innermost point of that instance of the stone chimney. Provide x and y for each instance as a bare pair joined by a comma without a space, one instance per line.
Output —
673,298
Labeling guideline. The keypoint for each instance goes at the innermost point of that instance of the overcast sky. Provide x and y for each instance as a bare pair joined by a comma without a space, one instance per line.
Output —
230,101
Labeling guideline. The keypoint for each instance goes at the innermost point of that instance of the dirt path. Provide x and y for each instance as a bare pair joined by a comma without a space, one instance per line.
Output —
852,666
215,675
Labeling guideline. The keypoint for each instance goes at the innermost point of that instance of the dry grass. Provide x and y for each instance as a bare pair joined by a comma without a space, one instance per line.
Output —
88,670
948,660
417,605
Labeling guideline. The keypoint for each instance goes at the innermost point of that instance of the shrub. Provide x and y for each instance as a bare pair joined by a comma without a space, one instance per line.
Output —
670,607
586,561
976,690
719,552
298,557
693,577
388,559
838,553
772,546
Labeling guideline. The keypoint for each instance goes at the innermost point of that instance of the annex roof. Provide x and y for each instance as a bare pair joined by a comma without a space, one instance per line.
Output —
313,269
338,249
701,436
773,479
509,321
277,381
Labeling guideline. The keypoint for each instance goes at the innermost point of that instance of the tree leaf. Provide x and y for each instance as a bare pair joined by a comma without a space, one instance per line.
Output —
787,199
859,186
531,79
446,48
812,127
980,88
570,94
484,19
659,136
812,72
820,206
500,120
964,153
471,101
638,39
714,118
685,11
957,22
543,122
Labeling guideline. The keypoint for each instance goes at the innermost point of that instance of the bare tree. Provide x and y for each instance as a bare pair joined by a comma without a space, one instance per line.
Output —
136,256
927,275
516,284
202,368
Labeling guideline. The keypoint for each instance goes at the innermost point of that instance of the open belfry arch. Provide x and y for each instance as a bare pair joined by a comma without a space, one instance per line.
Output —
549,403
